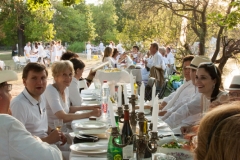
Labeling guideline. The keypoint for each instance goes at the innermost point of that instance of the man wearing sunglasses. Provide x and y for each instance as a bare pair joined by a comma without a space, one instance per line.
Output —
16,142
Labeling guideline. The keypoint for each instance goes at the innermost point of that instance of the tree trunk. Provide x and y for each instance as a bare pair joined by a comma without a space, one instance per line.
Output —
21,40
222,63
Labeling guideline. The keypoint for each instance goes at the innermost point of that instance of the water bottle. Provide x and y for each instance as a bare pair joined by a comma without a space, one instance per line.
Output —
105,96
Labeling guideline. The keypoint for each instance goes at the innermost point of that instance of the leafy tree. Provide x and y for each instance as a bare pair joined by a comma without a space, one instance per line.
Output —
105,19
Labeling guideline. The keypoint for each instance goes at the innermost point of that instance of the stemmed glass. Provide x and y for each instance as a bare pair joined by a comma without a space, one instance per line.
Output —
58,123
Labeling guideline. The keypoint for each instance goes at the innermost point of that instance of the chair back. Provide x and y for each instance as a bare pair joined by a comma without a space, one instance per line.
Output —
158,74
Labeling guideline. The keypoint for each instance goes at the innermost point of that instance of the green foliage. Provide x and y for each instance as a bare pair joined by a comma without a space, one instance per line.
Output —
105,19
77,47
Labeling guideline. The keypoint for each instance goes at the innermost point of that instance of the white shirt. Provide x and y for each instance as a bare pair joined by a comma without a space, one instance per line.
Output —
110,60
27,50
157,61
41,51
88,46
179,97
170,57
119,48
54,103
18,144
186,112
25,108
74,95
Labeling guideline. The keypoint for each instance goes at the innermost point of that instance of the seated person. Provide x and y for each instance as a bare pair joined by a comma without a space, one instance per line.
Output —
218,134
183,93
29,106
107,57
68,55
16,141
136,56
189,112
58,106
75,97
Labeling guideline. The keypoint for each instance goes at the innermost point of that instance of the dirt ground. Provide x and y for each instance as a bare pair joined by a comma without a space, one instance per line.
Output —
18,85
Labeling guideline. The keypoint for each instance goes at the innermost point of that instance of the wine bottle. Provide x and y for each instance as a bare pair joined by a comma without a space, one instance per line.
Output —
127,132
147,155
113,152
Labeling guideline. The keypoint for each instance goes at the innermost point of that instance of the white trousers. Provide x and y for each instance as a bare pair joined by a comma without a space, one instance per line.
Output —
89,55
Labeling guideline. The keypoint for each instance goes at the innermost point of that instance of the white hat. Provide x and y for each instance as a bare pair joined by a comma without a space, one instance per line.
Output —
235,84
8,75
197,60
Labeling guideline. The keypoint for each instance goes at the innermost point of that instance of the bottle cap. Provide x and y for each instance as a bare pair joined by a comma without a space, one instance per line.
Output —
105,81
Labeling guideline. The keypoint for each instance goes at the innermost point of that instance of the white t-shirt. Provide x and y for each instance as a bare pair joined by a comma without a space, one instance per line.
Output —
157,61
88,46
41,51
54,103
170,57
74,95
25,108
17,143
27,49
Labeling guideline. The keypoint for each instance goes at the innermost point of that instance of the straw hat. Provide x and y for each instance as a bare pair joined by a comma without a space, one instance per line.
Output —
8,75
235,84
197,60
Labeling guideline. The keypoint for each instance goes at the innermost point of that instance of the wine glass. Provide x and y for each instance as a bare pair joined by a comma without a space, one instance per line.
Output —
58,123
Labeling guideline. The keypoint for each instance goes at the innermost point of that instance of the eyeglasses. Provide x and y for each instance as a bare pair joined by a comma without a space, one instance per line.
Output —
9,86
209,64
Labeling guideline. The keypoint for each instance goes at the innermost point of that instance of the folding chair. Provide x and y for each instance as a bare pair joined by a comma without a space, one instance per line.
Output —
23,62
16,62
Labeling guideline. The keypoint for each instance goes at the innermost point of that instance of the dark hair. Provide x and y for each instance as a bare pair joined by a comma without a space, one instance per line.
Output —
115,51
77,63
169,48
214,72
36,45
155,45
187,58
68,55
33,66
136,47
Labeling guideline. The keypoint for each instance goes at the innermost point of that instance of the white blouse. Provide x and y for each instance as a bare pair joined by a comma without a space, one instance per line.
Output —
54,103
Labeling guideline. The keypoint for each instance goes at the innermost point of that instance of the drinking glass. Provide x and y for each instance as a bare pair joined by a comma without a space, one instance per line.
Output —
58,123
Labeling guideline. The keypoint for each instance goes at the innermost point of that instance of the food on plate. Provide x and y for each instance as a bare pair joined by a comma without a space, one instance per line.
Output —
112,70
173,144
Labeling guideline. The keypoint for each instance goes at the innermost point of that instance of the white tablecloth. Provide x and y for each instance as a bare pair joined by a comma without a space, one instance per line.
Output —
113,77
33,58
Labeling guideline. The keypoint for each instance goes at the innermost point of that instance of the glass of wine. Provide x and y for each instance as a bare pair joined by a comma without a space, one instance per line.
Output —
58,123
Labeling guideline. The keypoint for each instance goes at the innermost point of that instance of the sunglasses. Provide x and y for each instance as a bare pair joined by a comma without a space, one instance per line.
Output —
209,64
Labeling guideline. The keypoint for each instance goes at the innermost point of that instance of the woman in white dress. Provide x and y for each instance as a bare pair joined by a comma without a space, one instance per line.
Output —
59,50
53,51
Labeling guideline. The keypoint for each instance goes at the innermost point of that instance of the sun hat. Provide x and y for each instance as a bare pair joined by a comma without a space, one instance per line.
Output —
8,75
235,84
197,60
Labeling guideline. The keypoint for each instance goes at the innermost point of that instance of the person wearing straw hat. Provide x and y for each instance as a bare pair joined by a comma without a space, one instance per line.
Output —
234,88
16,142
188,113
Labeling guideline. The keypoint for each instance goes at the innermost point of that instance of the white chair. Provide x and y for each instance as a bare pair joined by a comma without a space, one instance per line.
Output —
16,62
23,62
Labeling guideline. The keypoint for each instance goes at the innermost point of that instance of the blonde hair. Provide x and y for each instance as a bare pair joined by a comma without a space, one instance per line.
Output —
59,66
107,52
219,132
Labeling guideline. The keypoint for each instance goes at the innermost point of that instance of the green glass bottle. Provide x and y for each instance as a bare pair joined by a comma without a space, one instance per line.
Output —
113,152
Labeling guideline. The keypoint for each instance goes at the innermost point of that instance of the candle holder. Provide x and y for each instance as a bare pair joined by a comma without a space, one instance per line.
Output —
133,116
120,114
142,140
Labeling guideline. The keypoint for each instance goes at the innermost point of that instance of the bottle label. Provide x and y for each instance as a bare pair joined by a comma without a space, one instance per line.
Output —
117,157
127,152
104,107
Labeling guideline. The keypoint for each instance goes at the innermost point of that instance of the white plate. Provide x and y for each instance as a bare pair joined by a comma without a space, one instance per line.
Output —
97,148
90,125
97,132
83,111
179,154
90,103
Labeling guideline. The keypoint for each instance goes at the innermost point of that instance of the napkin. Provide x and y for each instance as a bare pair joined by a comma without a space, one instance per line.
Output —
91,146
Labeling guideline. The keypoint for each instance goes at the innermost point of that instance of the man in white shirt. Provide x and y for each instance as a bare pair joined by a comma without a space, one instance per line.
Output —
41,53
16,142
188,113
27,50
89,50
182,93
170,56
120,48
29,107
156,59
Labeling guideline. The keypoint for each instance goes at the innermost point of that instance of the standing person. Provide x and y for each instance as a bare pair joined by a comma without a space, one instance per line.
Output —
111,44
29,107
101,46
16,142
35,49
89,50
59,50
27,50
41,53
53,51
